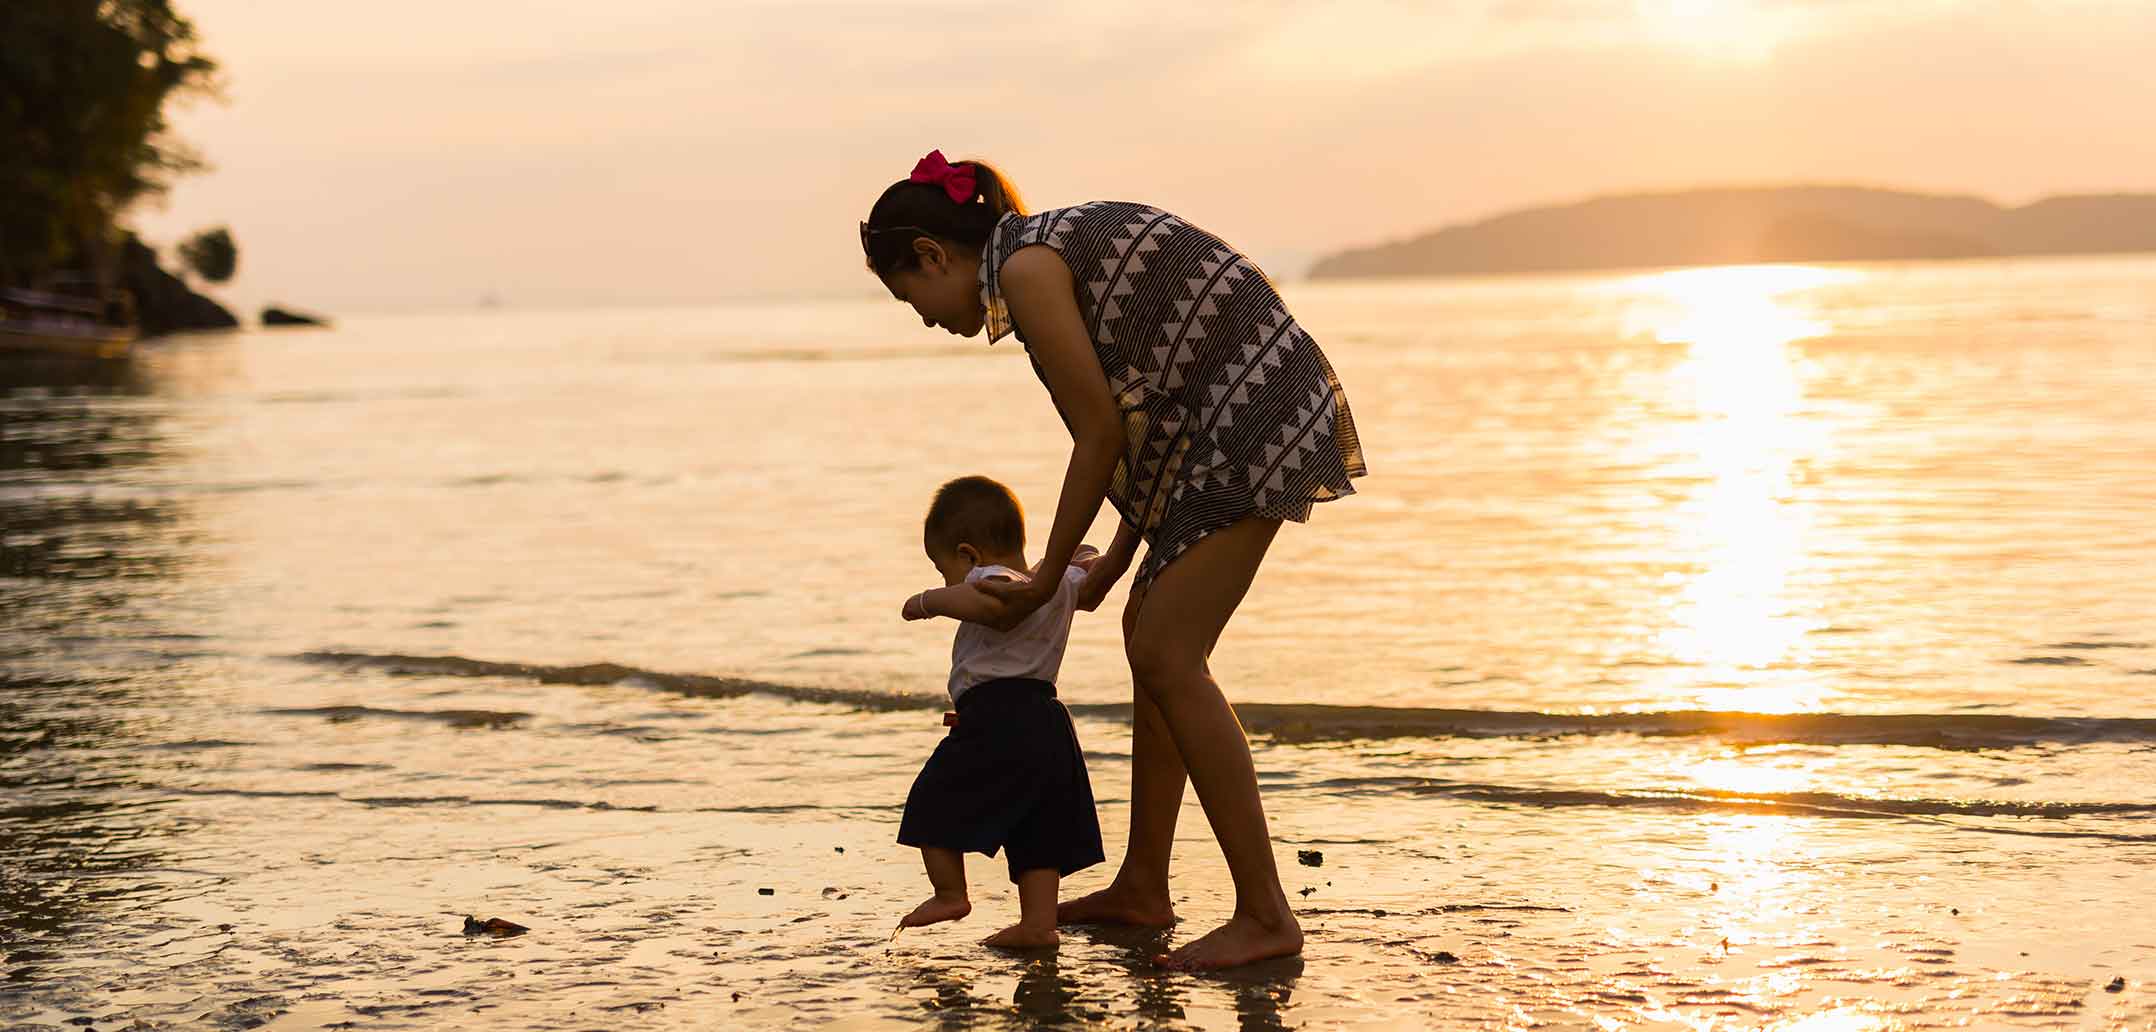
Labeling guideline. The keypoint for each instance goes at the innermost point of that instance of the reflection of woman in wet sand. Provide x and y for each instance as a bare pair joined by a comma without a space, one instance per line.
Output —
1206,416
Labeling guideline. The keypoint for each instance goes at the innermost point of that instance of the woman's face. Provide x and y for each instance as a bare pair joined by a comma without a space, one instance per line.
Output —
944,288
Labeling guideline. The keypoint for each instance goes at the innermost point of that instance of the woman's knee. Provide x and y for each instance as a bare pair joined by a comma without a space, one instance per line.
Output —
1160,664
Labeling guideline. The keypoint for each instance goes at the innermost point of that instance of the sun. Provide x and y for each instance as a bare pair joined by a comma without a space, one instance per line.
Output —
1734,30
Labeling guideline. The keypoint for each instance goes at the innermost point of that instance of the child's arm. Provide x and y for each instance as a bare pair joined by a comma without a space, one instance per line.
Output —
959,601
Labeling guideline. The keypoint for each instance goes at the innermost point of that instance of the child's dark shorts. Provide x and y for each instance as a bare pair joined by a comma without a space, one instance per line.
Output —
1009,776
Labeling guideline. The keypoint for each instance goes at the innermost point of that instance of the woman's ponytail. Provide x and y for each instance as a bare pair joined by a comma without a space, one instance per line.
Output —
928,204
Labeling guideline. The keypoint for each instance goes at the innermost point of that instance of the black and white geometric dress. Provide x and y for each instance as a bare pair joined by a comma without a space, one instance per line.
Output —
1229,408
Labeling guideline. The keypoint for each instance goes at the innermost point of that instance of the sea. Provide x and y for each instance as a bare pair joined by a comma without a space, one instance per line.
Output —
1750,647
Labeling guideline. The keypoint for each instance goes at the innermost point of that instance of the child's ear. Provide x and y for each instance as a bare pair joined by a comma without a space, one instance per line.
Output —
970,554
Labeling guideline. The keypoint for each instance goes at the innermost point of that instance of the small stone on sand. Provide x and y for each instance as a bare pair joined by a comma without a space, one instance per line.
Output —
1310,858
493,926
767,892
1445,957
2118,985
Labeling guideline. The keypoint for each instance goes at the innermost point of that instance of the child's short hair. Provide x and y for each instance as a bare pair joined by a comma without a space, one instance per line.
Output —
974,511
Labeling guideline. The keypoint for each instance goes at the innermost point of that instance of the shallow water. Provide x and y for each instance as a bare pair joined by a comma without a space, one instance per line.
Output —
1713,649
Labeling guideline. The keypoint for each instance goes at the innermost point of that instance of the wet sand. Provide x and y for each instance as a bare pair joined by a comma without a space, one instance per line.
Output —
647,911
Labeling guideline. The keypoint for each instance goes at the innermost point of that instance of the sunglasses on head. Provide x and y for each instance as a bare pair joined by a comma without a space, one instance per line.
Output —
868,233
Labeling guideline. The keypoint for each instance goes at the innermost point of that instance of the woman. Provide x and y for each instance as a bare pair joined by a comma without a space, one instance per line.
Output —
1206,416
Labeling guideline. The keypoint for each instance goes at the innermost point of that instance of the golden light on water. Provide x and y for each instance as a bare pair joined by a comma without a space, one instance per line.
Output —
1736,429
1837,1021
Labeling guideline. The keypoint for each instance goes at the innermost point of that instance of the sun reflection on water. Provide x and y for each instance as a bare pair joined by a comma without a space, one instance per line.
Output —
1738,430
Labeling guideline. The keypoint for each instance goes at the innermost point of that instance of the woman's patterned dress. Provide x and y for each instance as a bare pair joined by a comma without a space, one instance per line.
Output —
1229,408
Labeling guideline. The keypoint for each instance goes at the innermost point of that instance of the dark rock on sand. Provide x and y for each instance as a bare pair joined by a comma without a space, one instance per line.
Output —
493,926
767,892
1310,858
2118,985
275,316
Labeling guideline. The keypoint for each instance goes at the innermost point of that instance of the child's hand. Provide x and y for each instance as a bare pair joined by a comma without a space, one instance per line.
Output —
915,608
1101,573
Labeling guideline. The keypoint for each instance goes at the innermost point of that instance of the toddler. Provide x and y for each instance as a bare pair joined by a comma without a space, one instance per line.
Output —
1009,775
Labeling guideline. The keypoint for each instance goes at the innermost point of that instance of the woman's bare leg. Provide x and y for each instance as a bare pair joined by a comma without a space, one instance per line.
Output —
1186,609
1139,893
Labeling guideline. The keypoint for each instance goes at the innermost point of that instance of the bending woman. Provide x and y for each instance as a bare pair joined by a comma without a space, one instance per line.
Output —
1206,416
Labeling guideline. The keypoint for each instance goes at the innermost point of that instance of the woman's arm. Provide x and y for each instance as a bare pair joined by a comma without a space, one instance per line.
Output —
1038,288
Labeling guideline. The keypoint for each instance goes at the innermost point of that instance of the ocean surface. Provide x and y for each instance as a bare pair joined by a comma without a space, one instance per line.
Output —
1720,648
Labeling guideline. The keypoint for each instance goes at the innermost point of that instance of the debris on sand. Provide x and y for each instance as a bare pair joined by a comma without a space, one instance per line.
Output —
1445,957
832,892
493,926
1310,858
1306,891
838,849
767,892
2118,985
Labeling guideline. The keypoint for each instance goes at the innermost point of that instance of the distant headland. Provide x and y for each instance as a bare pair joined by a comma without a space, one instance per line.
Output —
1747,225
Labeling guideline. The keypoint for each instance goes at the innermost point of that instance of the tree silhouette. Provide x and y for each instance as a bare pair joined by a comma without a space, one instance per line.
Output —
212,254
83,84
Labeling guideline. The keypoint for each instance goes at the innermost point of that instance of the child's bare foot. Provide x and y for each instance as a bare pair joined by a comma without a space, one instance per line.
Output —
938,908
1022,936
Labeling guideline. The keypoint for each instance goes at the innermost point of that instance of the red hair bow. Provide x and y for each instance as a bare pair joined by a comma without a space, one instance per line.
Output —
956,180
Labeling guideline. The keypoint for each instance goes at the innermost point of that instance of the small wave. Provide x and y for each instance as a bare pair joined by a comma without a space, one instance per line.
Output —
1308,722
396,801
701,685
1818,804
454,718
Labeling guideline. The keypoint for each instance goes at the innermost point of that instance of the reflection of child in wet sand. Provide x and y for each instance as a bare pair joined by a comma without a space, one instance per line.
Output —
1009,775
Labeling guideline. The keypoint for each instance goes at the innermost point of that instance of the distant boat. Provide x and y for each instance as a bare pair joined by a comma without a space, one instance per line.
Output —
67,323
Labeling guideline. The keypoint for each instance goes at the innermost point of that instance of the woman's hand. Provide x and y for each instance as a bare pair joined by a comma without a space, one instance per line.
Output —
1015,599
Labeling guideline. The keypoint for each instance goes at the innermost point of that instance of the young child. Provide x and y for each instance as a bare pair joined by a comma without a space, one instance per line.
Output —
1009,775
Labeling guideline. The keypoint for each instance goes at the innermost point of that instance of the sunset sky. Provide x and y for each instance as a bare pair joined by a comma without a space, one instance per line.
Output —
417,154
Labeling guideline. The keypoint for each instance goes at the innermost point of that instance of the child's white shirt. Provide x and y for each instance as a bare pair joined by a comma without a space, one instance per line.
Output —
1032,649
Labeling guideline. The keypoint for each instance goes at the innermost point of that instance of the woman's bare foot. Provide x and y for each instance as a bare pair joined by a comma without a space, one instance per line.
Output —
1022,937
938,908
1114,905
1243,940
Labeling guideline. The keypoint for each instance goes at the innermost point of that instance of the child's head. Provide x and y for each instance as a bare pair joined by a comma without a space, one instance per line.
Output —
973,521
924,237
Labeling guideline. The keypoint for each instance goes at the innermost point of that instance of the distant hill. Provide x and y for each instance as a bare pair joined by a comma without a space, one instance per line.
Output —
1761,224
